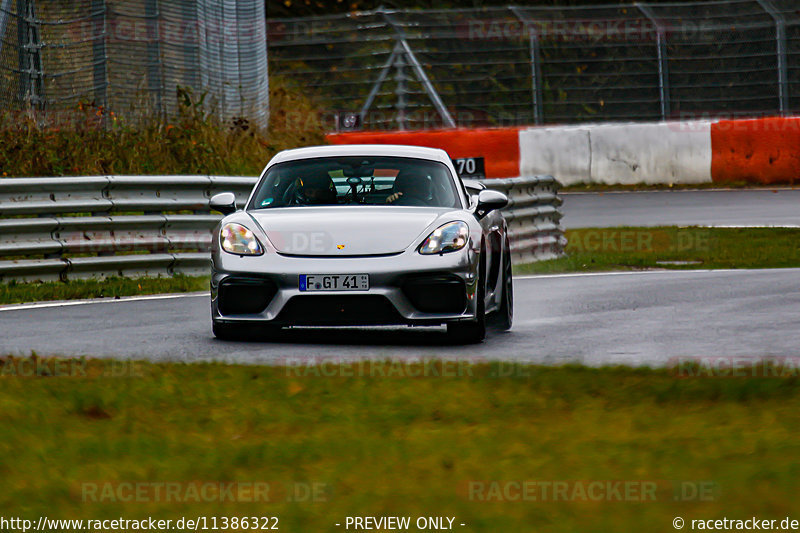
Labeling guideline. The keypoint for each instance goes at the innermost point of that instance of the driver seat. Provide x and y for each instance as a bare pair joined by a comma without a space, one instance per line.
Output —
416,190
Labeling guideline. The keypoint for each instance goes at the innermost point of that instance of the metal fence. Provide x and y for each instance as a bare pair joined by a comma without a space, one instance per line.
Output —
91,227
130,56
405,68
399,69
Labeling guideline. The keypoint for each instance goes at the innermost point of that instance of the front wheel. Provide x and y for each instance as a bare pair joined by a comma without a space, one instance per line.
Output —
504,316
473,331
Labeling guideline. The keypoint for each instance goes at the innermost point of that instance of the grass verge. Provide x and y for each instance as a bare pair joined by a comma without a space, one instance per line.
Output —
390,439
632,248
12,293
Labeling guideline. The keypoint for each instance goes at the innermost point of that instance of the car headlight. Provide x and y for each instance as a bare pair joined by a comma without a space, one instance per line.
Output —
237,239
448,238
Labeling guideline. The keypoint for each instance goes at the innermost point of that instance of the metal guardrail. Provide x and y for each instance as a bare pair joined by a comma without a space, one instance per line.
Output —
70,228
66,228
533,215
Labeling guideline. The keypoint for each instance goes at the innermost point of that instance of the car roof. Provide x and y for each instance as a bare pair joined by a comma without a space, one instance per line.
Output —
390,150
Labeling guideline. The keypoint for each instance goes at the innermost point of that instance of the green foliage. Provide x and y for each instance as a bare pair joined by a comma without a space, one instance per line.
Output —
92,140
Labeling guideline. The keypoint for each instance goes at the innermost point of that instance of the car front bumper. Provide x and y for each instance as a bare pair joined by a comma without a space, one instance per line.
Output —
406,288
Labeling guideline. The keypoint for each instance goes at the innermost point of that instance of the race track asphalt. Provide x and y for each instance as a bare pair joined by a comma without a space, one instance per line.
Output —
647,318
743,207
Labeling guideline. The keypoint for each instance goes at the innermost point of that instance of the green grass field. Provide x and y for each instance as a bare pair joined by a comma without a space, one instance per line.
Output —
497,447
444,439
11,293
637,248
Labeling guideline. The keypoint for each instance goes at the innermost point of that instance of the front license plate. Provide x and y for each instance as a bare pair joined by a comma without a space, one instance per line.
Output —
334,282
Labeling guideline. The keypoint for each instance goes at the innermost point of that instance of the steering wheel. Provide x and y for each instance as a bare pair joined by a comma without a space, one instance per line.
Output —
290,195
411,201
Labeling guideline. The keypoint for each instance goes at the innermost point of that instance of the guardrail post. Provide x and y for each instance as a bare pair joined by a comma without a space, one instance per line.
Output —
780,41
536,64
663,68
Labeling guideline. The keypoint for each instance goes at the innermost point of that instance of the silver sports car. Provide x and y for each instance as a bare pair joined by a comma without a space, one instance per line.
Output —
361,235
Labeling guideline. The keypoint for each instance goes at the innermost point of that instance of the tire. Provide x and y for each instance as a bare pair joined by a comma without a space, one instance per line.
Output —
504,317
473,331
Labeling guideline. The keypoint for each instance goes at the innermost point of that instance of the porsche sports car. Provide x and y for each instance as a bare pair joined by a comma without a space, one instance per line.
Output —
361,235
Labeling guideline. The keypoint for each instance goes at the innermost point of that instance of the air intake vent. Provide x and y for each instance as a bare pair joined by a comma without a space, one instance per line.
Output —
436,294
362,310
245,296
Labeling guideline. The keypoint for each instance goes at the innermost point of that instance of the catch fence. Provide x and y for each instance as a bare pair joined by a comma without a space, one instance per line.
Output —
516,65
131,57
404,69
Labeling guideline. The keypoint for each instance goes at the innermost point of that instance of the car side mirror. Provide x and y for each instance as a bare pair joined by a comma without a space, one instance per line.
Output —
224,202
488,201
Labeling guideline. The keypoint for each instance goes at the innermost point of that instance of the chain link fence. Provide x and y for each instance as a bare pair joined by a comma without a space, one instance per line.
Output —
409,69
405,69
131,56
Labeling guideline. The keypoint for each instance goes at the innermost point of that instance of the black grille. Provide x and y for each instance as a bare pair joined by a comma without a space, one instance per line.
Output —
244,296
365,310
436,294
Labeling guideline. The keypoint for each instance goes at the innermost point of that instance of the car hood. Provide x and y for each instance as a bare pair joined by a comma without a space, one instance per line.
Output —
345,231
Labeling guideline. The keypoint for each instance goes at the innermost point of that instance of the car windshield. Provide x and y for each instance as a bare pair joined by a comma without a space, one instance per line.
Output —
357,180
